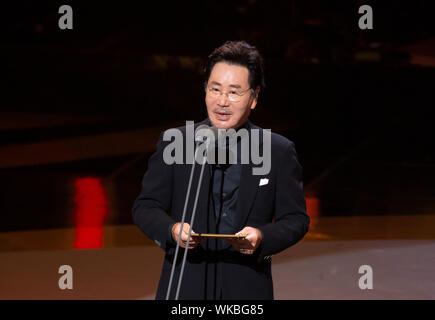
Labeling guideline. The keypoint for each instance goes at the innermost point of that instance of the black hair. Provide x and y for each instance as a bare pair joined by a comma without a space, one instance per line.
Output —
242,54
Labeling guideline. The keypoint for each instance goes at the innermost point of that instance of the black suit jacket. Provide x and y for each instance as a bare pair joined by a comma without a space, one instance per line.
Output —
277,209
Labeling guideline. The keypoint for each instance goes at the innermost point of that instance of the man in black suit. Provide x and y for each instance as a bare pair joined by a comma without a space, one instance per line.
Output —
268,209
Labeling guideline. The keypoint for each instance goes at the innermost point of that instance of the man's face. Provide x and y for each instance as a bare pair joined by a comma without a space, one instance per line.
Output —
229,79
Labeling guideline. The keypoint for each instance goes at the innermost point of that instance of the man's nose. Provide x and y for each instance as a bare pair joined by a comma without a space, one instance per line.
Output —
223,100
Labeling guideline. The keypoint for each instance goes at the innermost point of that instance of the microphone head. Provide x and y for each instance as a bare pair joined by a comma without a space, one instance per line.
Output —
204,131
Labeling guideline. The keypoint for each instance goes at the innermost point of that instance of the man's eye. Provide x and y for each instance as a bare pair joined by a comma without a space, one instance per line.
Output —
235,92
215,89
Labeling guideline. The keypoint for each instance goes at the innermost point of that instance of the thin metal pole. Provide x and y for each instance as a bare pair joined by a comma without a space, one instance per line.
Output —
181,227
191,224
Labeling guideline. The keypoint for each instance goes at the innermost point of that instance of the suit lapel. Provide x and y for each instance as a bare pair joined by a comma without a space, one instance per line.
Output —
248,187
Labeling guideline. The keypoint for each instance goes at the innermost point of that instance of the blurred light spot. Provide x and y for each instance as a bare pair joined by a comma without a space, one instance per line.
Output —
91,211
313,210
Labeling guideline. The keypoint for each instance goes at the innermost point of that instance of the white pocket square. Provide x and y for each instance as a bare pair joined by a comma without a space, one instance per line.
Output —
263,181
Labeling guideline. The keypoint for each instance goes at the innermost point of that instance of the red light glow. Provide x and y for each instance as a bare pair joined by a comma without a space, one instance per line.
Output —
313,210
91,211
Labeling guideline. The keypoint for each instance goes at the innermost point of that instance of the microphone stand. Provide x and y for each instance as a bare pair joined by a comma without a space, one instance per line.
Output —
182,223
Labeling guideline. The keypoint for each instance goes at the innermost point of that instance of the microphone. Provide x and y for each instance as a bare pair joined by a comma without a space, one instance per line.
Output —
202,133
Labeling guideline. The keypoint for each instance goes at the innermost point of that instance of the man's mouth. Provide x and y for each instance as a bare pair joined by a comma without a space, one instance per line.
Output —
222,115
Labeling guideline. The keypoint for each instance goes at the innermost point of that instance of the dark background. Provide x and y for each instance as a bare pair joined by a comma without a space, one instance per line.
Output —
357,103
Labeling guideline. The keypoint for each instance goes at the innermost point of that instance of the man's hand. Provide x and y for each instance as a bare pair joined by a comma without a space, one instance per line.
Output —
194,241
250,243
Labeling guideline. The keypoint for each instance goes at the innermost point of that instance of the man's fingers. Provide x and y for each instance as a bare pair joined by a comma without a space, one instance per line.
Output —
185,232
249,243
194,241
245,231
247,251
183,237
186,227
251,236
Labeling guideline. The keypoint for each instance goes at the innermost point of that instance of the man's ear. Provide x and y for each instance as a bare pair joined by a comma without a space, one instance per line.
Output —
255,99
